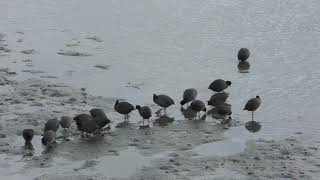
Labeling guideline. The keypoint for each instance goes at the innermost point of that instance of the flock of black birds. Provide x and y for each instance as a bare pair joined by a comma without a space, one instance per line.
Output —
97,121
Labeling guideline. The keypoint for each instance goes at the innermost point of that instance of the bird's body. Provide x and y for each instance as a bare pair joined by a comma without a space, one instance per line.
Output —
253,104
85,123
218,99
219,85
163,101
52,124
65,122
145,112
198,106
188,96
224,109
123,108
243,54
28,135
49,137
100,117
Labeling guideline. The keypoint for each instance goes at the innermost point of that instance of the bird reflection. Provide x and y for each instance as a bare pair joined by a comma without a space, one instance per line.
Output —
28,146
163,121
253,126
222,111
144,126
188,113
243,66
124,124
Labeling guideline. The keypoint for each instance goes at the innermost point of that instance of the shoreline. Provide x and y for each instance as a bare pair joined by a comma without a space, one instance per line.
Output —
29,103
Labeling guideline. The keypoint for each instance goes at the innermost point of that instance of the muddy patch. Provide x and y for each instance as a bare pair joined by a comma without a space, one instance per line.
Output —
94,38
28,51
101,66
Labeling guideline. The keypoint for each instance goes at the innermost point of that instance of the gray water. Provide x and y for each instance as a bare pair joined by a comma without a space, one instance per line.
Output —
168,46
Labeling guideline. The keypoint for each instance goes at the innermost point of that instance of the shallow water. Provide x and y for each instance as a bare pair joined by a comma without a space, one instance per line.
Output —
168,46
125,164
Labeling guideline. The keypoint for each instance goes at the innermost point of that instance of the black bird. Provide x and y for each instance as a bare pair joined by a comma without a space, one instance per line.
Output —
52,124
85,124
188,113
219,85
188,96
48,138
224,109
123,108
65,122
243,54
253,104
163,101
145,112
100,117
198,106
28,136
218,98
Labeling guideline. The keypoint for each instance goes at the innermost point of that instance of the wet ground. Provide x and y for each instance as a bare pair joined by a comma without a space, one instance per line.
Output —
130,50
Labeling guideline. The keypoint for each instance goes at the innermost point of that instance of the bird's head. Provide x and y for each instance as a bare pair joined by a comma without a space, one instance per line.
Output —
155,96
138,107
228,83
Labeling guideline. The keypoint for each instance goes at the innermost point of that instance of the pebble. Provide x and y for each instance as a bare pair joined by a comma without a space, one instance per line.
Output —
29,51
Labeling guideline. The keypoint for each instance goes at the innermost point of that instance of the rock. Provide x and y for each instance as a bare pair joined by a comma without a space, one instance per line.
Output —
12,73
256,158
26,60
73,53
71,100
49,77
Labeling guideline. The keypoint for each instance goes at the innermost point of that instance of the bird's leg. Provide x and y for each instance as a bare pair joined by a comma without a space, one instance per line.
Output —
66,132
148,122
165,111
143,122
252,115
